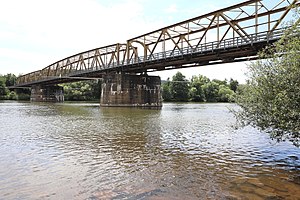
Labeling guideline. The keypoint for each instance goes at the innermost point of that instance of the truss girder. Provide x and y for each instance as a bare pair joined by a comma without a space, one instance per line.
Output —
241,20
243,23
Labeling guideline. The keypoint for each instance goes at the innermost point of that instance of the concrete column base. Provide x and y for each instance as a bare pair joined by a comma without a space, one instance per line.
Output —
41,93
126,90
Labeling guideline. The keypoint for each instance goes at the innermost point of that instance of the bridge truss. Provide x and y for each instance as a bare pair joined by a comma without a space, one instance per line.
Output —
231,34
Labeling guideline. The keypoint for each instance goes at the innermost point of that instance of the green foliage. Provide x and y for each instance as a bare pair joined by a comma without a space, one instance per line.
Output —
233,84
3,89
179,88
196,92
219,82
240,89
10,79
24,95
200,89
166,93
78,91
211,91
12,95
271,99
17,94
82,91
225,94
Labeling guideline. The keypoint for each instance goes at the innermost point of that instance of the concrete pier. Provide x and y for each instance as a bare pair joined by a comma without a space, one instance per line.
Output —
127,90
41,93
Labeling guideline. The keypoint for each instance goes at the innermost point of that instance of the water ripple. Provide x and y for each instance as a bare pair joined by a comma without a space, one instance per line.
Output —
184,151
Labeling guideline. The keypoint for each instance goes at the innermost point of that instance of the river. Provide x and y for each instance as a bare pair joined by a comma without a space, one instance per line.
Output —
183,151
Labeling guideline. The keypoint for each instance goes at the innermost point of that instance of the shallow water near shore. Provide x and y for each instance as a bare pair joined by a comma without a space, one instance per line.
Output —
183,151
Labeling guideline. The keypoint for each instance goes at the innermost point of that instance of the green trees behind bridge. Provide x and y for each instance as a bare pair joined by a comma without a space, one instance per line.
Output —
82,91
77,91
179,89
6,94
198,89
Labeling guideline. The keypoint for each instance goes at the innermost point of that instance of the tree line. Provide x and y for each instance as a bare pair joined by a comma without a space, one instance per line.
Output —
77,91
89,90
17,94
198,89
179,89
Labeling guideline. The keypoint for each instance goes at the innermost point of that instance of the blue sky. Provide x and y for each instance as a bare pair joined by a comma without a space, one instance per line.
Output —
35,33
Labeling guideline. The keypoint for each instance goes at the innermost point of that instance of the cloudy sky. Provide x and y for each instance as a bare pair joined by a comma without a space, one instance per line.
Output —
36,33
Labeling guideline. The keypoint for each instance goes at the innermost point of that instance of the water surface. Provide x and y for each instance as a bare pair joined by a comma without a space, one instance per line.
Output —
184,151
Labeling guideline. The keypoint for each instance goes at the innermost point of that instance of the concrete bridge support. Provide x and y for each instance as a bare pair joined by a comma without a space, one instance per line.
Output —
41,93
127,90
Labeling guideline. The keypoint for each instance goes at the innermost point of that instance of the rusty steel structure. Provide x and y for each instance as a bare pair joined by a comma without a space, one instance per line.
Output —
232,34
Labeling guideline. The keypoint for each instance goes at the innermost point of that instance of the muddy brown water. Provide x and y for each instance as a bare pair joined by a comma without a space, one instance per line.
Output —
183,151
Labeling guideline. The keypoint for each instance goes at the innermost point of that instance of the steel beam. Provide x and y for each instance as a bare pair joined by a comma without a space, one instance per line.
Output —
200,35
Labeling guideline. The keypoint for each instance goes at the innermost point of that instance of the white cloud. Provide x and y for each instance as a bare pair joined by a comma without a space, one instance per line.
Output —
18,61
70,22
35,33
172,9
62,28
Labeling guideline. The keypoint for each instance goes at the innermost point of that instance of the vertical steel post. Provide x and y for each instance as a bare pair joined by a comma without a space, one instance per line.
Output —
218,30
164,45
127,51
269,22
145,49
256,18
118,54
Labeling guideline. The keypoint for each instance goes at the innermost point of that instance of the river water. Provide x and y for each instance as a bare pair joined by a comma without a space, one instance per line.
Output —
183,151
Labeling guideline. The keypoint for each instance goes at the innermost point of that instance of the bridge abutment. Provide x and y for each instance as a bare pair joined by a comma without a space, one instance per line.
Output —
41,93
127,90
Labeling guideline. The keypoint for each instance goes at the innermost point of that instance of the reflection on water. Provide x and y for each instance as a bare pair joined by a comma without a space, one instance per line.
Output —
184,151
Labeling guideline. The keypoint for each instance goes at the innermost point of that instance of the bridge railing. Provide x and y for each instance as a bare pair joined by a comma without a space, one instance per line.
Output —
64,67
207,33
212,46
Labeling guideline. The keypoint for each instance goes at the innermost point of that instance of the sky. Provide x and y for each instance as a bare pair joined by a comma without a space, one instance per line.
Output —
35,33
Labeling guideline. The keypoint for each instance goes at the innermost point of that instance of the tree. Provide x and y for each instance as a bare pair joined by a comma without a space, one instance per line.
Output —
211,91
179,87
12,95
3,89
220,82
225,94
196,92
96,89
271,98
233,84
10,79
23,93
18,94
166,92
82,90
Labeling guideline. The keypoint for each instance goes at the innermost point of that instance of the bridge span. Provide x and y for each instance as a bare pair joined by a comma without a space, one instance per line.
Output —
232,34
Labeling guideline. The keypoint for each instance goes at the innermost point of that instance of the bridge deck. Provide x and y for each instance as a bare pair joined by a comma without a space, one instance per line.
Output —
236,34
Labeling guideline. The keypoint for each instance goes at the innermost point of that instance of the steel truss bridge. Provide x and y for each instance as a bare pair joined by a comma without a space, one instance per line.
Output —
232,34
